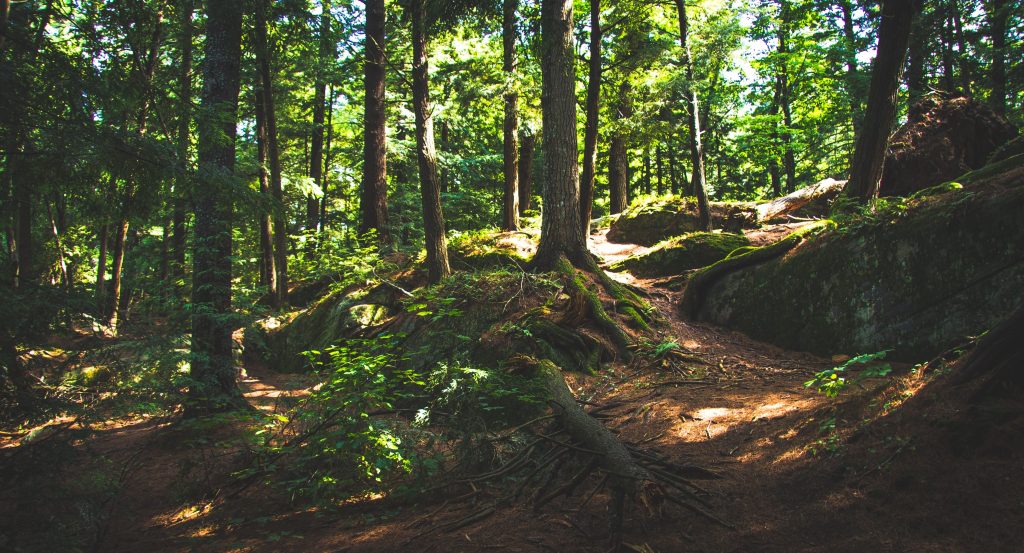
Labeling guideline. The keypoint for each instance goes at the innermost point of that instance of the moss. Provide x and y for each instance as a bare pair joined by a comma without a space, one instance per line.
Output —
936,190
489,249
577,285
649,222
701,281
919,283
683,253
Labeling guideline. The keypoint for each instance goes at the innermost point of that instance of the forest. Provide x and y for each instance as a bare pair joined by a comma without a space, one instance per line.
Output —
511,275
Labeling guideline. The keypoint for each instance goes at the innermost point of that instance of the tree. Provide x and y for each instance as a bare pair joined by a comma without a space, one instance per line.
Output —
426,154
618,154
185,10
373,205
593,107
510,219
213,369
280,232
869,154
561,231
316,149
998,13
699,181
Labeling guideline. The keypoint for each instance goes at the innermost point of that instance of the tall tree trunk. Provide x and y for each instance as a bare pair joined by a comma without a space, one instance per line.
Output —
101,271
561,231
869,154
529,142
213,369
918,56
430,185
263,57
699,181
618,156
186,8
510,218
946,42
373,205
593,112
673,178
116,272
658,165
784,90
852,77
961,46
24,272
316,144
647,169
998,13
327,158
268,273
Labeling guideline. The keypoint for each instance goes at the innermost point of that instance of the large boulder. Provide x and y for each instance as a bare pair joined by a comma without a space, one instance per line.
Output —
647,223
942,139
919,281
683,253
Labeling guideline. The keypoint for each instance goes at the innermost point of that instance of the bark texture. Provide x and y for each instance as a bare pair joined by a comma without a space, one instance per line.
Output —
699,181
869,154
426,154
593,111
510,219
213,371
561,231
373,202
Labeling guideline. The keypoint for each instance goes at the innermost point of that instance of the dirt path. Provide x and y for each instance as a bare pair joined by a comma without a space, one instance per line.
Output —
721,401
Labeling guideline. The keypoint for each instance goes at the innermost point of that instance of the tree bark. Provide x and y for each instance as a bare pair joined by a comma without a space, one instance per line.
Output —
869,154
186,8
658,166
618,156
529,142
263,57
561,231
918,56
213,369
373,205
998,12
430,186
789,160
327,158
316,143
593,111
114,302
268,273
699,181
852,77
101,272
510,220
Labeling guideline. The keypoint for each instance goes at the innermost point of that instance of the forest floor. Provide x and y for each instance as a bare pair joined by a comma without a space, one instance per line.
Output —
898,464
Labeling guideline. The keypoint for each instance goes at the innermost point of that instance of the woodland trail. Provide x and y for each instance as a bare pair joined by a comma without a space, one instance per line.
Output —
801,472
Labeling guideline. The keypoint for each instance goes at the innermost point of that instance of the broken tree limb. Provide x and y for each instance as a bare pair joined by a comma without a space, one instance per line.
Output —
821,190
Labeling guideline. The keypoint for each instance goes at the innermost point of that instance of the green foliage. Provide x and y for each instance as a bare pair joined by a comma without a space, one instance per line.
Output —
833,381
342,448
465,398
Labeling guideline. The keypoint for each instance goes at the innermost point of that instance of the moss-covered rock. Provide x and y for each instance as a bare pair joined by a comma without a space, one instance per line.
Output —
683,253
280,342
650,222
920,283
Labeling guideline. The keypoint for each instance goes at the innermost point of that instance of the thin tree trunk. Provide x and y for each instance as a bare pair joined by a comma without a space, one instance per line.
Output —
948,75
213,369
869,154
101,272
263,56
24,272
852,77
430,186
593,112
561,231
789,161
116,273
918,56
618,156
316,148
699,181
327,158
268,273
673,177
529,142
510,202
186,9
658,165
373,204
647,169
998,14
961,46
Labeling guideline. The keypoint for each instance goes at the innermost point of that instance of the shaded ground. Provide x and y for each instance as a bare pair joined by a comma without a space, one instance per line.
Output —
882,468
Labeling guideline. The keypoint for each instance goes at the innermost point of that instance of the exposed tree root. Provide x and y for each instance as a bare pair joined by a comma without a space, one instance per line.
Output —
573,447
